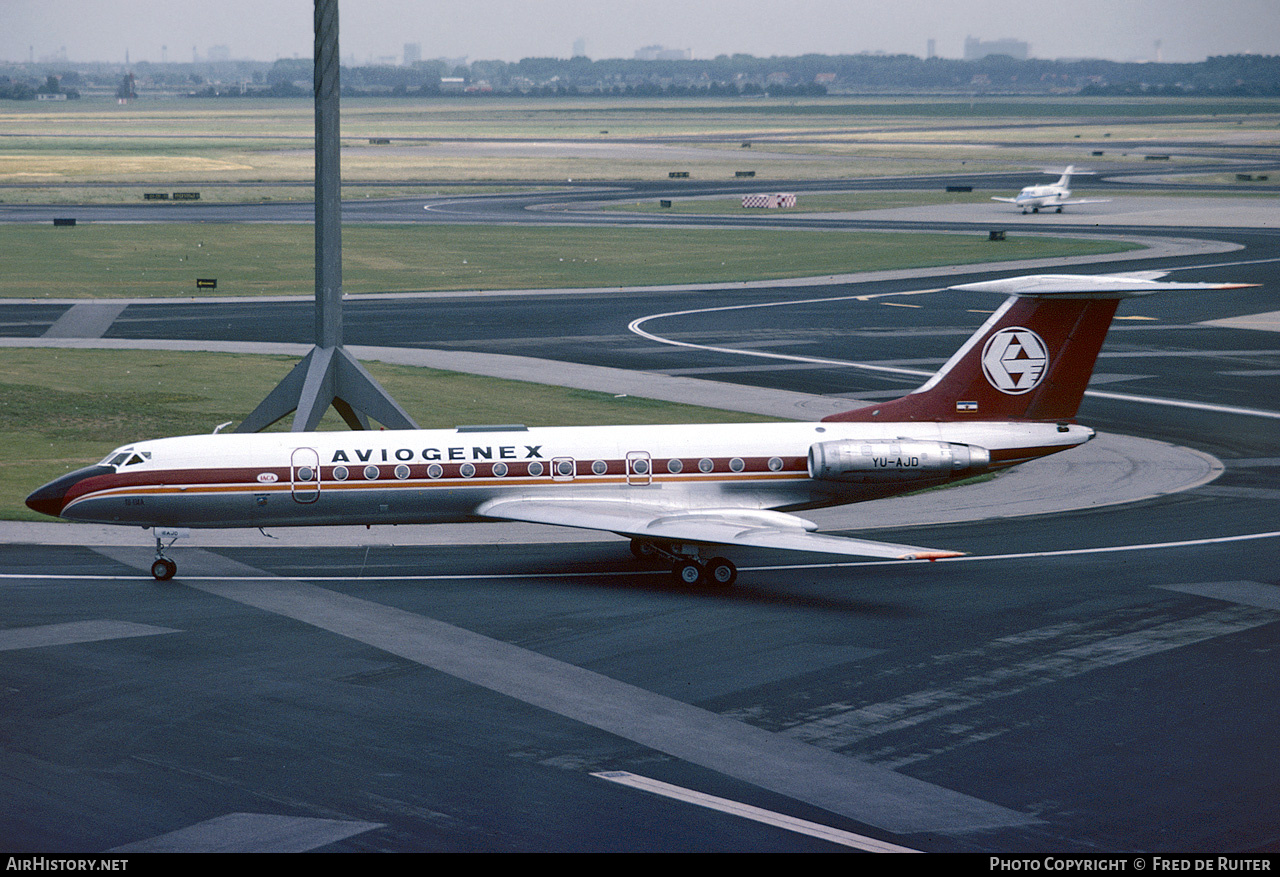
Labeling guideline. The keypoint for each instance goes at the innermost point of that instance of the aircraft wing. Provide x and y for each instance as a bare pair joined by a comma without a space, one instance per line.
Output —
1087,201
1005,200
744,527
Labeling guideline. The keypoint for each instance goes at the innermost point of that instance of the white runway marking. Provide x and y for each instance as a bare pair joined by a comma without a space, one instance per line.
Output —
634,326
746,811
1062,552
446,577
1179,403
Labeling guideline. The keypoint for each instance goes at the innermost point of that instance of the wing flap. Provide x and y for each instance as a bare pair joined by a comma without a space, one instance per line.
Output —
743,527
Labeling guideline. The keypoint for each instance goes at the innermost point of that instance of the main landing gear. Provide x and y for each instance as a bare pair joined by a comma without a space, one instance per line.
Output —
688,567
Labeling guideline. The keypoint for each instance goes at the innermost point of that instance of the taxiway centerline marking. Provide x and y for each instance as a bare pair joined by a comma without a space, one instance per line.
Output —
756,814
634,327
1061,552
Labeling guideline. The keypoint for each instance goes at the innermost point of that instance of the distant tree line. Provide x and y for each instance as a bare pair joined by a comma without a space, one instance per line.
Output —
796,76
802,75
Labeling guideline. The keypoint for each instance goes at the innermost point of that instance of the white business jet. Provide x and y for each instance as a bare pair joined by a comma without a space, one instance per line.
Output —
1053,195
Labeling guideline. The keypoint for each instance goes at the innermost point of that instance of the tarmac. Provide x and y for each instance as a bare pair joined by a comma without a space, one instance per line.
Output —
1186,211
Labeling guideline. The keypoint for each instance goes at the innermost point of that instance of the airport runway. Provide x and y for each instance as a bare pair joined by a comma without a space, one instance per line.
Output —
1097,678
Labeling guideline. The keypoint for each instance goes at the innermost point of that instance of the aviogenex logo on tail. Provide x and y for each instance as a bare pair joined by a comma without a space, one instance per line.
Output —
1014,360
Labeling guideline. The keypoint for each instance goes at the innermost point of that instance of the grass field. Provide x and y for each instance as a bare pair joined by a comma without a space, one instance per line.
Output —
185,139
139,261
63,409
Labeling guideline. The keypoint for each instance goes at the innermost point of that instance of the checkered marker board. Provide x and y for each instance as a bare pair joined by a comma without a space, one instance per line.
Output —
769,200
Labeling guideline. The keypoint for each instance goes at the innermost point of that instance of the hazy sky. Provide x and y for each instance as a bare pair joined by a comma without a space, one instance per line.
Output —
1123,30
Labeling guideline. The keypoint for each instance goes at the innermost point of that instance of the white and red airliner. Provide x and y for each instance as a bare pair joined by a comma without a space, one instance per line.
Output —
681,493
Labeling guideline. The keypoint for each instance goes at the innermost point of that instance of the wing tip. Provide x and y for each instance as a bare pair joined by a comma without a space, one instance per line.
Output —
931,555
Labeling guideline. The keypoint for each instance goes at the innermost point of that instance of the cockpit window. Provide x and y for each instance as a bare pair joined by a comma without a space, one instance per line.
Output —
126,457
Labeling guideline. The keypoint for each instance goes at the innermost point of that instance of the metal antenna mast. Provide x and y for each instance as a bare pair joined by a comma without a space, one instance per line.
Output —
328,375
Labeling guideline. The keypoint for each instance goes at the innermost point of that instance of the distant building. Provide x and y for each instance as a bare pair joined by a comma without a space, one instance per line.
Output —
662,53
412,54
976,49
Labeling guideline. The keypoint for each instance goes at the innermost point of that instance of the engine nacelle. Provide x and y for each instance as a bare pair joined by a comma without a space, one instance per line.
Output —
895,460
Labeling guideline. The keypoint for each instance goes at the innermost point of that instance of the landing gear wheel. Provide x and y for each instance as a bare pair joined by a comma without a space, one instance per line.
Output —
163,569
689,572
721,572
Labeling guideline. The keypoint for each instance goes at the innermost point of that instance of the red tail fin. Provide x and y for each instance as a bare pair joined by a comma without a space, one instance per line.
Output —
1031,360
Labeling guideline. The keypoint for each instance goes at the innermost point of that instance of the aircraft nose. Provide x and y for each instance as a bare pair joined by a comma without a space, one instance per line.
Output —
51,499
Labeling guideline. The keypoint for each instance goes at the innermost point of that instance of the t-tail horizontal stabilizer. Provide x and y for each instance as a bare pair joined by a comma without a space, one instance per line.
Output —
1032,360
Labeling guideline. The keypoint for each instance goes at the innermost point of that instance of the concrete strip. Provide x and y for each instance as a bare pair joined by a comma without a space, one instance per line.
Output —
73,632
871,795
1257,594
86,319
1127,210
1268,322
251,833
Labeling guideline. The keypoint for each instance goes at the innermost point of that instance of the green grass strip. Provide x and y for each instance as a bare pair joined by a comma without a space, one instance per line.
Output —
142,261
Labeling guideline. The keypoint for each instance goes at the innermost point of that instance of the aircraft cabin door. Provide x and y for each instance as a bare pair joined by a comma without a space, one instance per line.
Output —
639,467
563,468
304,475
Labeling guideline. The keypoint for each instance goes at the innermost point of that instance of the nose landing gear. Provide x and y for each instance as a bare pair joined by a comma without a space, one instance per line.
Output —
162,568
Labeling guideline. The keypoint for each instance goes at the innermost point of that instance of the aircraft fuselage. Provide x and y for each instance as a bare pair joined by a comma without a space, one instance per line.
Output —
438,476
1036,197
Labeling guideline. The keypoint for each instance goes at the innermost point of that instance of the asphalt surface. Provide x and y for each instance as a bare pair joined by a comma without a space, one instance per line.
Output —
1099,677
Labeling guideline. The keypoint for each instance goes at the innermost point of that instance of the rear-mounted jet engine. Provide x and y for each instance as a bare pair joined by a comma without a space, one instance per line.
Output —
850,460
